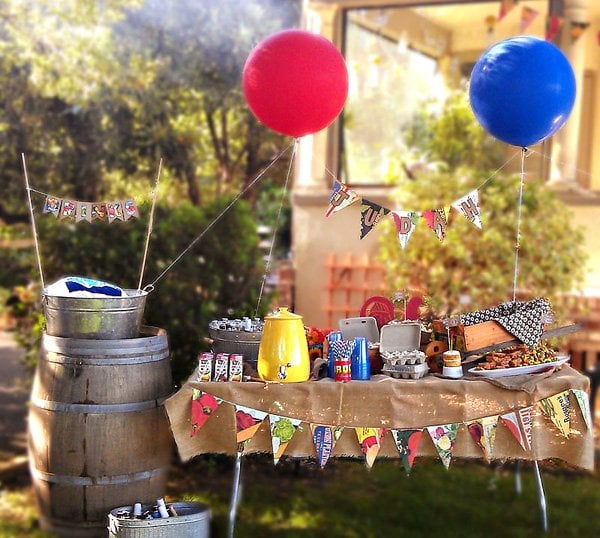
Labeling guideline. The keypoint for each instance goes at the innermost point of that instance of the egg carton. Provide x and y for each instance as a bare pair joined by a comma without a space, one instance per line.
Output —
407,371
395,358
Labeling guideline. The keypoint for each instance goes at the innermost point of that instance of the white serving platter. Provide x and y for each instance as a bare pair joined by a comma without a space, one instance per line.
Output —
520,370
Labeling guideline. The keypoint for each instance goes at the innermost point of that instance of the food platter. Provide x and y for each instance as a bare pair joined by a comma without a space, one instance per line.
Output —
520,370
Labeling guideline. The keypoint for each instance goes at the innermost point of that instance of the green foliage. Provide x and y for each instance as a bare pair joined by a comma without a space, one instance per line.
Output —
219,276
469,262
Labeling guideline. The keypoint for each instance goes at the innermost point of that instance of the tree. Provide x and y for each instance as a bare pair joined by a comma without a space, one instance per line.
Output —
470,263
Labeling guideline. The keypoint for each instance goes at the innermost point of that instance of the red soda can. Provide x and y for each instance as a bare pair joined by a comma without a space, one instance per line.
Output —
342,369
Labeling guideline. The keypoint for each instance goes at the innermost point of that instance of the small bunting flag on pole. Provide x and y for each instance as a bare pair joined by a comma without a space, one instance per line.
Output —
52,205
407,442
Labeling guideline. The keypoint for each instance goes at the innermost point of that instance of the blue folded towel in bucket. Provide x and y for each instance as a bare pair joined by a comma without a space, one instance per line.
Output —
80,286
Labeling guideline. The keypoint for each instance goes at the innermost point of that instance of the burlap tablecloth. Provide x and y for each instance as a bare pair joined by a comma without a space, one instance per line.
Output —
388,403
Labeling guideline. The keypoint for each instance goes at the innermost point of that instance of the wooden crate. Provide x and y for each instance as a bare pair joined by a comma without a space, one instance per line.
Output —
473,337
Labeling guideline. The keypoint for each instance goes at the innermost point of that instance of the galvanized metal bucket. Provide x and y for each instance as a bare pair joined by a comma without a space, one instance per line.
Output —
243,342
192,521
100,318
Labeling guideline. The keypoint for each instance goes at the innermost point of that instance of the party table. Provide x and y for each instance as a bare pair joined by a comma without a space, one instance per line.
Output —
395,404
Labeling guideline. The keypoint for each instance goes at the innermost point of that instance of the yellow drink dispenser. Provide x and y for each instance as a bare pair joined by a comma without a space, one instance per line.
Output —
283,350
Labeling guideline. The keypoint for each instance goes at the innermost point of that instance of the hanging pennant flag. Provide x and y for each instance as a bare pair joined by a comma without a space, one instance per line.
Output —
405,222
505,7
340,198
52,205
130,209
114,211
444,439
370,216
203,407
324,439
577,28
407,442
558,409
98,210
528,15
67,209
282,431
526,418
468,206
437,221
584,406
247,422
370,442
552,27
483,432
511,421
83,211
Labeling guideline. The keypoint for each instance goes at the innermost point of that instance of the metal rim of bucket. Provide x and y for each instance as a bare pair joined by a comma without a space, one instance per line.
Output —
200,512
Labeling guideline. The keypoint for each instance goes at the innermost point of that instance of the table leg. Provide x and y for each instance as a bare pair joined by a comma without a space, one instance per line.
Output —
541,495
235,489
518,488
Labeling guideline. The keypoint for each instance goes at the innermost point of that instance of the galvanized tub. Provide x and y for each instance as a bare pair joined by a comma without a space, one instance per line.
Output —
192,521
243,342
98,318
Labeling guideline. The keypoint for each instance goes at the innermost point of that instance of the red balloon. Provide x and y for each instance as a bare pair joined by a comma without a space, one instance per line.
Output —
295,82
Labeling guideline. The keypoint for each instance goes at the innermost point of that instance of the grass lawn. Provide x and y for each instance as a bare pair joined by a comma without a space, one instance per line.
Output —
298,499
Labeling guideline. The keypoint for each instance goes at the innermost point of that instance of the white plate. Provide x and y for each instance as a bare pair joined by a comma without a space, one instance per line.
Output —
519,370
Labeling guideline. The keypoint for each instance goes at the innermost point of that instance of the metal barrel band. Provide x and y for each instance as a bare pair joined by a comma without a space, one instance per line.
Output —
97,480
57,358
49,405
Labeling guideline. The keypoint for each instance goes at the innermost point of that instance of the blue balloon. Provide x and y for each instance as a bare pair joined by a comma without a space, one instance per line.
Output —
522,90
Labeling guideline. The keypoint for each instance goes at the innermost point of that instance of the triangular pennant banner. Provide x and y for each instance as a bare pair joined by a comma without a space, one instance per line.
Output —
369,440
552,27
247,422
437,221
98,211
405,222
340,198
444,439
52,205
558,409
526,418
584,406
282,431
130,209
324,439
203,406
468,206
371,215
407,442
83,212
67,209
511,421
483,432
505,7
528,15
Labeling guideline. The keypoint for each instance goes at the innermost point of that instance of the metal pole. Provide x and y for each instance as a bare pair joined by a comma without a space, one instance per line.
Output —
518,487
235,493
541,495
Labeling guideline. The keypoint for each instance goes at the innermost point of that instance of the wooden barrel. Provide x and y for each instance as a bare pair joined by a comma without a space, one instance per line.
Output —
98,434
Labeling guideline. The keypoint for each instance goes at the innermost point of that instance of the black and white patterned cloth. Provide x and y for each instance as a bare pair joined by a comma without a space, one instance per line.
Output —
523,319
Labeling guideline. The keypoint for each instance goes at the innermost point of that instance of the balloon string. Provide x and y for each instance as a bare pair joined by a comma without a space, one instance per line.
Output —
218,217
519,213
283,194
